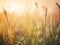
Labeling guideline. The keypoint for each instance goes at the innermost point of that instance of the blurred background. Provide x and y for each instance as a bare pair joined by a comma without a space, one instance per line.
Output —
29,22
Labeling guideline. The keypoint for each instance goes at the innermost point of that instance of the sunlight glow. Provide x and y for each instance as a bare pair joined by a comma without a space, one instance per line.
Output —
15,6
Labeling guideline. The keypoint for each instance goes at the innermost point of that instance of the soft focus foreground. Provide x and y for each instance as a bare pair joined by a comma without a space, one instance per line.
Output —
28,23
